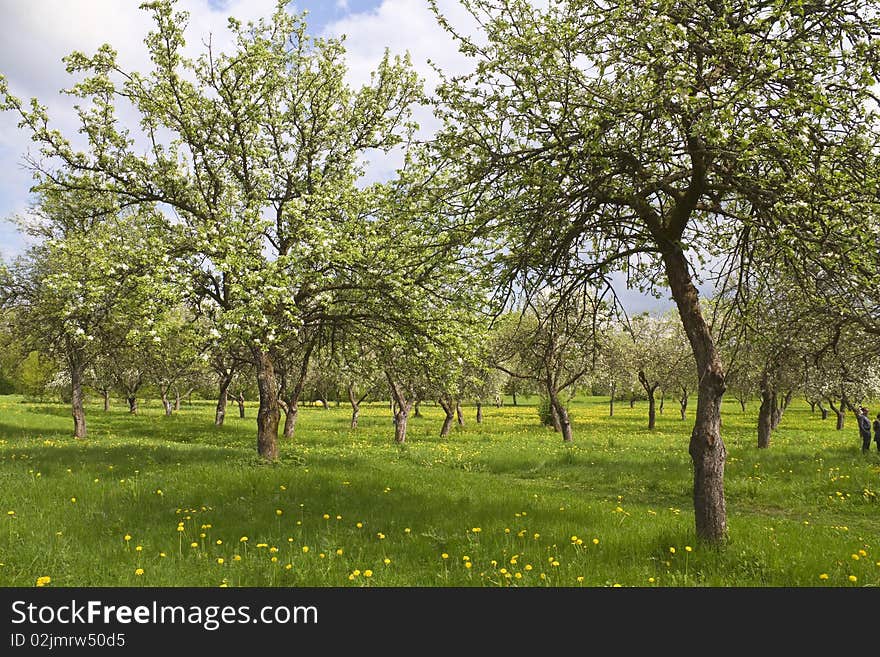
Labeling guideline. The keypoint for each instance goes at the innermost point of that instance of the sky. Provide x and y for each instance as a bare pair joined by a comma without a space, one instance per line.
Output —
36,35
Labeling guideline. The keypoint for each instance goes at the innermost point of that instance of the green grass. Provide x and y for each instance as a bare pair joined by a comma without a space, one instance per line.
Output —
506,497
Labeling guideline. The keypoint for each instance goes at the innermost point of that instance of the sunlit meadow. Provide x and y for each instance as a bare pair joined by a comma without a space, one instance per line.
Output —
149,500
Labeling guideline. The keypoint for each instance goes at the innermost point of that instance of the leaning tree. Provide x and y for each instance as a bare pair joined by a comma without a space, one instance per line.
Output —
643,137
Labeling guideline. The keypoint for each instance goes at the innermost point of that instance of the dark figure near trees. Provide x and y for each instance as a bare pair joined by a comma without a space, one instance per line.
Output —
877,431
864,428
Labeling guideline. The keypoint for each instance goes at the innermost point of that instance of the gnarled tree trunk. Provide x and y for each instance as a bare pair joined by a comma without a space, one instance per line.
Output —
458,414
479,412
401,405
448,407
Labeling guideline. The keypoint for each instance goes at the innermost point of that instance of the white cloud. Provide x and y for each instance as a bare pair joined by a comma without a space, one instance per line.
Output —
36,35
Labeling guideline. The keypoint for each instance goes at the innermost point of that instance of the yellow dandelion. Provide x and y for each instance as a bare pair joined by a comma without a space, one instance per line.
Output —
672,550
126,538
139,548
380,536
863,553
356,572
273,550
163,555
853,578
386,561
444,556
688,548
305,548
243,539
279,512
407,530
42,581
580,579
855,557
528,567
326,516
220,560
502,570
237,557
194,544
274,559
595,541
536,536
339,551
368,573
651,580
218,542
73,499
321,555
518,575
288,566
823,576
359,525
468,565
139,571
476,530
465,558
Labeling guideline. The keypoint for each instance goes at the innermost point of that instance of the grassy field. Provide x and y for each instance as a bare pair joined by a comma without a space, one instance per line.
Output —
153,501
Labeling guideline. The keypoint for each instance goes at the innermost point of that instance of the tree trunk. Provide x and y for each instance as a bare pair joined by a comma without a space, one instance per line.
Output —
166,404
822,410
560,414
765,416
105,393
449,409
706,449
417,411
324,403
458,414
812,407
268,414
683,403
76,400
400,406
240,400
779,409
291,415
355,406
222,400
742,405
132,405
176,399
662,400
611,401
479,412
514,397
632,401
649,390
839,412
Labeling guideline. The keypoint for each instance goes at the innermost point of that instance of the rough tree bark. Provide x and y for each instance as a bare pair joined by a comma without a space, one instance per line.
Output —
268,414
479,412
240,400
401,407
706,449
448,407
611,400
560,413
132,404
683,402
105,393
458,414
355,404
822,410
291,404
166,403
